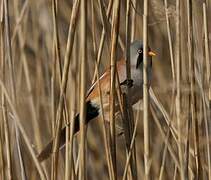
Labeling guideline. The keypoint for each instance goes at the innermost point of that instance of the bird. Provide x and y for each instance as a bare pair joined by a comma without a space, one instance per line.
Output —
92,104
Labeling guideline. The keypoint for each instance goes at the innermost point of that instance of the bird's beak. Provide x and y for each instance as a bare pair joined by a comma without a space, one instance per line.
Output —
151,53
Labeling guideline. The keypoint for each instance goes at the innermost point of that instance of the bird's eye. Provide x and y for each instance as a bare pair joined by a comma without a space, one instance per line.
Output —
139,51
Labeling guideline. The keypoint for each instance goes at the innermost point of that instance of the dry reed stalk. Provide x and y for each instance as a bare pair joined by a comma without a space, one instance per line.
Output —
192,85
93,33
22,131
96,73
207,58
133,20
128,39
169,39
1,13
8,169
167,133
67,155
130,150
9,50
128,112
203,115
57,60
11,79
164,155
2,164
114,39
106,31
106,141
164,137
19,20
70,173
175,173
71,34
103,34
171,55
206,42
178,89
53,108
126,127
206,122
36,127
70,167
56,45
53,76
83,20
20,156
146,93
77,163
165,114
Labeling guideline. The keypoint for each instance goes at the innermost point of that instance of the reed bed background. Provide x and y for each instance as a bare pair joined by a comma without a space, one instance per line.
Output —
52,51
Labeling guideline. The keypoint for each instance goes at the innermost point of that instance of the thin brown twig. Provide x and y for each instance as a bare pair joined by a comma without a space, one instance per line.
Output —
83,13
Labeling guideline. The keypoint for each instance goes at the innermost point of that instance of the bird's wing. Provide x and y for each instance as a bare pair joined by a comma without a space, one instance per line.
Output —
104,81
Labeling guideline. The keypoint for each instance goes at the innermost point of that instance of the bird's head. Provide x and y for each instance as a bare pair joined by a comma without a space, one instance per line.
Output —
136,54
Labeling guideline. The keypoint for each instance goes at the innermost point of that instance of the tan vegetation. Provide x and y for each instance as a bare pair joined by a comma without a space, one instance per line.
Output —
52,51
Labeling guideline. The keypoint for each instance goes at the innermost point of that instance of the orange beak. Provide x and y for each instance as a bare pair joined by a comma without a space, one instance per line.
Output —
151,53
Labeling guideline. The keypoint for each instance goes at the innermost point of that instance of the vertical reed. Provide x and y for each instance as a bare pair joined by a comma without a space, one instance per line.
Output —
44,78
146,93
114,38
63,88
83,13
178,87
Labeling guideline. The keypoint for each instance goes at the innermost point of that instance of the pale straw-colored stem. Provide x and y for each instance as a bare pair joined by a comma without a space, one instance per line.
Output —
83,14
71,34
207,58
128,111
114,40
22,131
146,93
192,85
178,90
133,20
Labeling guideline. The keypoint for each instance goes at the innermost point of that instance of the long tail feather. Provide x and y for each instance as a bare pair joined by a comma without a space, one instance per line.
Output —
91,113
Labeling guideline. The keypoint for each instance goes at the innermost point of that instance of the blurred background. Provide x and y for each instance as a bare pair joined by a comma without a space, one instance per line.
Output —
33,44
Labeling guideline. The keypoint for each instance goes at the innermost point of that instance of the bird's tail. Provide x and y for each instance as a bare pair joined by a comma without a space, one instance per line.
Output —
91,113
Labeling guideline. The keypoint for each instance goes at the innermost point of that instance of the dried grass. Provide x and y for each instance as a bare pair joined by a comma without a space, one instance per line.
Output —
52,51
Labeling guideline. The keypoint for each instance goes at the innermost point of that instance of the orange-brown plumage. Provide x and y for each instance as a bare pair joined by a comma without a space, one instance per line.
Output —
105,81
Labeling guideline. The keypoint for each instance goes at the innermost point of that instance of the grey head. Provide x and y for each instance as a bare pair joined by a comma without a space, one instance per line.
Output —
136,54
